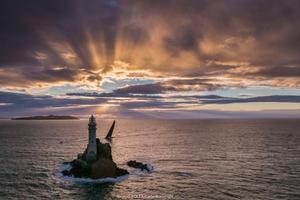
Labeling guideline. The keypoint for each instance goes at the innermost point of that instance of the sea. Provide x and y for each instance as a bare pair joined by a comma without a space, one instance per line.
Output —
191,159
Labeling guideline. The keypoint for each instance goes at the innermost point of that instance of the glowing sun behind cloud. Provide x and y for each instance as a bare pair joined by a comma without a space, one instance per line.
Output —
141,57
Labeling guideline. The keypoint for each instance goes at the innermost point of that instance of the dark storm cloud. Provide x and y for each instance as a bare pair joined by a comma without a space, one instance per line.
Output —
264,34
112,94
170,86
28,28
154,88
16,101
277,72
51,75
134,33
199,99
183,39
96,94
145,96
20,22
273,98
12,104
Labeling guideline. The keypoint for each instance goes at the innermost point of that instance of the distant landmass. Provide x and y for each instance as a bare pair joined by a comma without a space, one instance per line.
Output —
49,117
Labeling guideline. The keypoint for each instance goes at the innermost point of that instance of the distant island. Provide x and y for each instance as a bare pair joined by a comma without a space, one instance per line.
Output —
49,117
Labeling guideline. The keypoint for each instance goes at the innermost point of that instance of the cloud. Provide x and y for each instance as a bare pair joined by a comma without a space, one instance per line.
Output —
37,37
273,98
14,103
197,39
170,86
20,104
161,55
273,72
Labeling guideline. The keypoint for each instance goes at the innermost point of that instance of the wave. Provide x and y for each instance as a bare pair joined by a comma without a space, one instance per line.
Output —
63,167
150,167
139,172
90,180
184,174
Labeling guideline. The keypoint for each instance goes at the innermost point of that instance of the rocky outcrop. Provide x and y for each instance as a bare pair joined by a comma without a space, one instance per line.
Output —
103,167
139,165
103,150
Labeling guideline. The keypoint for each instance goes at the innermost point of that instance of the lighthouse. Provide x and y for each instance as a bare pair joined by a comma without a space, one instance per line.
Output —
91,153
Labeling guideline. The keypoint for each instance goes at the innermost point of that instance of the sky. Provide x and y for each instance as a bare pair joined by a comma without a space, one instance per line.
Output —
174,59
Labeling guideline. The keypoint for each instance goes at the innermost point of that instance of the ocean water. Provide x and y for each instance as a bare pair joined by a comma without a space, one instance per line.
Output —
191,159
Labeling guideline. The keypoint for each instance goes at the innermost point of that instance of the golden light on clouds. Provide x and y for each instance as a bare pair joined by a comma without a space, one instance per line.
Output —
131,56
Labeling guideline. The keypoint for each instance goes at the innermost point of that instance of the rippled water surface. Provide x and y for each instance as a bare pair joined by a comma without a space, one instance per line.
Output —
198,159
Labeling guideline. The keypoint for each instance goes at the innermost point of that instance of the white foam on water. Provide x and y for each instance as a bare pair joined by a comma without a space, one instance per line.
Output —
90,180
135,172
150,167
58,172
63,167
184,174
138,172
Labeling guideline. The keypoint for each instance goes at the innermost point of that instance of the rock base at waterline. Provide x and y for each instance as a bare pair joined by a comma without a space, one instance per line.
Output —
103,167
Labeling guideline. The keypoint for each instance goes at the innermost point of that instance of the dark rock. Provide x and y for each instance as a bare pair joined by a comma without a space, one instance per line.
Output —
79,171
79,156
98,141
66,173
80,168
78,163
104,151
103,167
121,172
84,155
139,165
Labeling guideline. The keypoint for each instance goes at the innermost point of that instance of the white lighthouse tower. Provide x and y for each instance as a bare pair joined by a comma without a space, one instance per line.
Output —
91,154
